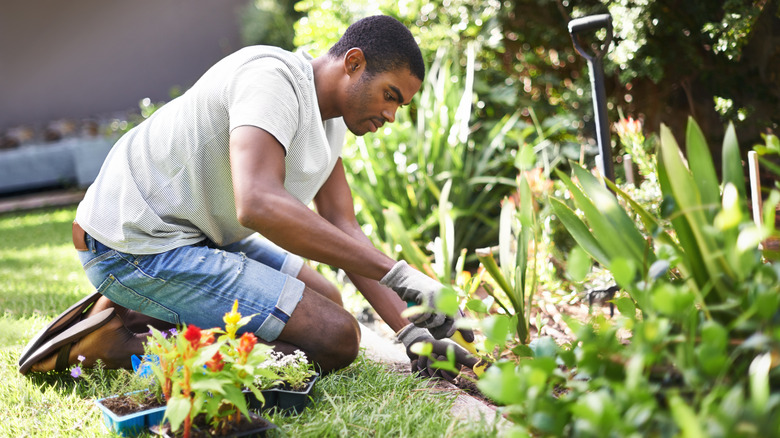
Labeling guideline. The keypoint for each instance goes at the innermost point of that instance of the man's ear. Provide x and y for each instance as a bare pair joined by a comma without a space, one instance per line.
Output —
354,61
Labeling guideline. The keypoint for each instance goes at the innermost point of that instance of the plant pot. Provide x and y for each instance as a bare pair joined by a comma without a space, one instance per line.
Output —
258,428
286,400
130,424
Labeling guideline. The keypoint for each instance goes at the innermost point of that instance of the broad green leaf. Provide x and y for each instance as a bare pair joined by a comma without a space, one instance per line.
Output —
447,301
579,264
691,256
506,240
687,197
700,162
496,328
732,162
176,411
526,159
622,226
544,346
759,381
610,241
477,306
685,418
485,256
625,306
502,383
579,231
395,228
624,271
421,348
446,233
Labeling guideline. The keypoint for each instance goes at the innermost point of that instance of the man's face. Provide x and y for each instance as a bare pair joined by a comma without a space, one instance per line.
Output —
370,102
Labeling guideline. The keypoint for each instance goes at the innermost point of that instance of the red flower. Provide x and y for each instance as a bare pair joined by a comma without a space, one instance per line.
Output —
216,363
193,335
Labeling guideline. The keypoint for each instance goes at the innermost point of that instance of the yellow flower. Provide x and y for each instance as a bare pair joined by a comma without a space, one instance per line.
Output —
231,319
233,316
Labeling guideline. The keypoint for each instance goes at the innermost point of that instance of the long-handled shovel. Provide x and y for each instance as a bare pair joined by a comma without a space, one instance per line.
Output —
594,23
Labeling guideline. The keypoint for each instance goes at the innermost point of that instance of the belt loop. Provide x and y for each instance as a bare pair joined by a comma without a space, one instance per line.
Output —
90,241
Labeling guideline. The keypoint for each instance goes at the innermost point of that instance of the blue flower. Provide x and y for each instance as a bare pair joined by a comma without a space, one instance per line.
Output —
75,372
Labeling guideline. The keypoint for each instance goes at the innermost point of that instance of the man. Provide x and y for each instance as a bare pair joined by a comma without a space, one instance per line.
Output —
168,232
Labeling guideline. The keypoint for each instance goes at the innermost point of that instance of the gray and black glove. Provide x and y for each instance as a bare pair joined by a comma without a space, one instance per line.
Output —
415,287
411,334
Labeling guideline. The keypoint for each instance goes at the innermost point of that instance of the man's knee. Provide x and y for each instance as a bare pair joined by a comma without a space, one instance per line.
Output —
345,344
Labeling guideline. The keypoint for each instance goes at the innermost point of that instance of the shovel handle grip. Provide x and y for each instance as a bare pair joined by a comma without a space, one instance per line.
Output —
589,23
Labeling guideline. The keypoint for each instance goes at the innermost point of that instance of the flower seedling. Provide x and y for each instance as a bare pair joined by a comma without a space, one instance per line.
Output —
293,370
203,372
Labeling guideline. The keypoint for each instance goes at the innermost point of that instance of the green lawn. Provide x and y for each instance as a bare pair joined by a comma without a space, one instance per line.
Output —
40,276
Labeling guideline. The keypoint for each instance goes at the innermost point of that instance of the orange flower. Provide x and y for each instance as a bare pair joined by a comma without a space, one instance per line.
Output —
216,363
246,344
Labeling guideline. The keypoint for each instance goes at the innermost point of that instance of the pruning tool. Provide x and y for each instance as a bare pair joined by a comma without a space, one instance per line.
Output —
481,361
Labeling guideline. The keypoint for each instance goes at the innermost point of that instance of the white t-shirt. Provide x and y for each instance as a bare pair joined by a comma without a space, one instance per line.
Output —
167,182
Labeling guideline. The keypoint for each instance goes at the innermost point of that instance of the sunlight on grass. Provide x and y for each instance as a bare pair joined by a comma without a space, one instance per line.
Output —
40,276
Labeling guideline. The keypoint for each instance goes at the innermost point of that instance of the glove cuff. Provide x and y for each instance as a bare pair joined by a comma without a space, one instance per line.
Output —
395,274
410,334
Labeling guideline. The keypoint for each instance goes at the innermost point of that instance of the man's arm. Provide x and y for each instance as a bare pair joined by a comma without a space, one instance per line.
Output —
263,204
334,203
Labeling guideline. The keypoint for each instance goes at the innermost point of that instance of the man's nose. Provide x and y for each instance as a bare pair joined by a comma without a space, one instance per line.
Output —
389,114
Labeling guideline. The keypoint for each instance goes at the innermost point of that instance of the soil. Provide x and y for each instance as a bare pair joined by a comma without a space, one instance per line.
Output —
132,403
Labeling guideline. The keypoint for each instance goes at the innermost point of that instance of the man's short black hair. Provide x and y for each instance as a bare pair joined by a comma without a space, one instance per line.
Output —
386,44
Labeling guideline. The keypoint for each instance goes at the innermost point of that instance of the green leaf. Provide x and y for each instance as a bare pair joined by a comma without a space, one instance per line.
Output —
687,196
624,271
421,348
496,328
732,162
506,241
395,228
477,305
759,381
177,410
610,239
579,264
685,418
626,306
485,256
526,159
447,301
544,346
579,231
619,230
700,162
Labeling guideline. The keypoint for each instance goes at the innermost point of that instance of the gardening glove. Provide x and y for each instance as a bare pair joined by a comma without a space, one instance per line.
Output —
412,334
414,286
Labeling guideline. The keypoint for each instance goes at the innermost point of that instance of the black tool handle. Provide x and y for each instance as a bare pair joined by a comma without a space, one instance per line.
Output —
589,23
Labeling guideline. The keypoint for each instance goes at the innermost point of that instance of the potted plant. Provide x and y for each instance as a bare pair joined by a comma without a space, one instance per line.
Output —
202,374
136,405
291,387
132,413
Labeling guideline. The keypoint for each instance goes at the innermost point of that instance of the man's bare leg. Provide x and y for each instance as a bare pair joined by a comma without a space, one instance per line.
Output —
316,282
322,329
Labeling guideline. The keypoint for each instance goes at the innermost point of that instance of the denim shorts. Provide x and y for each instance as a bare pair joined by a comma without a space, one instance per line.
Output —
198,284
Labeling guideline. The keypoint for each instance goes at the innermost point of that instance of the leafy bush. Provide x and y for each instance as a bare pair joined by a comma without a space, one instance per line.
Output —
694,349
